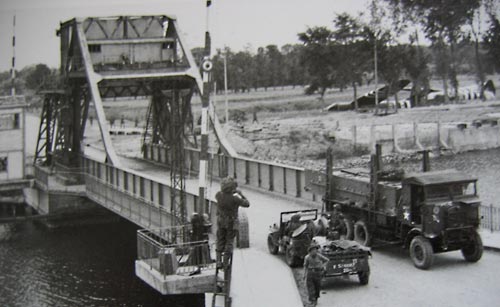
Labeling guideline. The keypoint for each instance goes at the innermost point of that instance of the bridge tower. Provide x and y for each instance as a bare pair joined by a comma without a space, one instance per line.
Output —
124,56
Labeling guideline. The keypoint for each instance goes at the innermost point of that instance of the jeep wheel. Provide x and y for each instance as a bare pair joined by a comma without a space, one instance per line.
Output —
421,252
364,277
473,251
271,245
361,233
292,260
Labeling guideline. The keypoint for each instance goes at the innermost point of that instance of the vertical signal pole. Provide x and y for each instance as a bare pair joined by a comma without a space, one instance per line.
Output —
13,68
205,100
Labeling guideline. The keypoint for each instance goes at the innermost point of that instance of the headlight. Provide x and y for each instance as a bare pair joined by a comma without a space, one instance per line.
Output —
435,210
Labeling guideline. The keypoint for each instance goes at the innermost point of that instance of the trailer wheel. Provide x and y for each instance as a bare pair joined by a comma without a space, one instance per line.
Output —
292,260
361,233
271,245
421,252
473,251
349,228
364,277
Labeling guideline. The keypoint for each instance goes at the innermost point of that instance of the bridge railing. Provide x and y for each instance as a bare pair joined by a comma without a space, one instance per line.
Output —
275,177
170,251
134,195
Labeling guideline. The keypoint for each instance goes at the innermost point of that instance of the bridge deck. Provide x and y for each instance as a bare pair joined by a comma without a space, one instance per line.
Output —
257,274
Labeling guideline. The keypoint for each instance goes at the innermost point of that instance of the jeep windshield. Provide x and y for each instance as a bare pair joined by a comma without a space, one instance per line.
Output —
305,215
450,191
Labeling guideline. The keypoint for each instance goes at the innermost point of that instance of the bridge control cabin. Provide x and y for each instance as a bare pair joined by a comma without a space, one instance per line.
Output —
124,50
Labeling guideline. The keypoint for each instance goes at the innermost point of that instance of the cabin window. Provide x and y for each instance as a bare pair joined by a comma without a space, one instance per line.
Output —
3,164
10,121
16,124
94,48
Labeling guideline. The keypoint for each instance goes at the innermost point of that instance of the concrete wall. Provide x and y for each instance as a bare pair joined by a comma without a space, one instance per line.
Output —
472,138
417,136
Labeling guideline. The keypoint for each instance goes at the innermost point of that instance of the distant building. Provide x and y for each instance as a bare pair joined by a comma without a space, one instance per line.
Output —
12,138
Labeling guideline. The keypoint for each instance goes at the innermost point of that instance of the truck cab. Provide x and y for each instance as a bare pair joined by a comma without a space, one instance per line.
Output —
438,212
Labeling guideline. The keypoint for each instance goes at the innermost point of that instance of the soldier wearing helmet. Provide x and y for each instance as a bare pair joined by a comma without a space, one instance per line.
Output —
229,199
293,224
314,267
336,225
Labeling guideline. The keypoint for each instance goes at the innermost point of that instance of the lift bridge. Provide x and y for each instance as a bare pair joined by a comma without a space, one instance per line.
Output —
143,56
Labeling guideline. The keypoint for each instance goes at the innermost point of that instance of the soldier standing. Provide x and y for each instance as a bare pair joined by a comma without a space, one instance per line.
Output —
336,225
229,199
314,264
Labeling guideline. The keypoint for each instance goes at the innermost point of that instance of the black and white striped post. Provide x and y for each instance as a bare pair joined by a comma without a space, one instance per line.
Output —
205,100
13,64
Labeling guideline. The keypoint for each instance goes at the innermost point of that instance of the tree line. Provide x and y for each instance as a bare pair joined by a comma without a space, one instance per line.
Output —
464,38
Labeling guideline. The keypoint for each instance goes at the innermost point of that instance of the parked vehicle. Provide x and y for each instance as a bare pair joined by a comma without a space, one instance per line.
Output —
346,257
429,212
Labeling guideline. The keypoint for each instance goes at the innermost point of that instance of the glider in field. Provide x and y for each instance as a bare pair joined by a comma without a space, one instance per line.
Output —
368,99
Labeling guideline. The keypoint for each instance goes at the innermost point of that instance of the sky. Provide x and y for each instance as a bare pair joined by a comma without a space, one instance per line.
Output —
237,24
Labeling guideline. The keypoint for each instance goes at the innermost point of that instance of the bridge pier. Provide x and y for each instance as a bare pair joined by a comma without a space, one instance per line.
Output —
63,202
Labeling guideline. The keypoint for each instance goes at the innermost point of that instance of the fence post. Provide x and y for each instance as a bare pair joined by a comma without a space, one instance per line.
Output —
491,218
354,137
298,183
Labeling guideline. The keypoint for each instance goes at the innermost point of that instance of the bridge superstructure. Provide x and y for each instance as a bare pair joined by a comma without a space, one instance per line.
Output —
140,56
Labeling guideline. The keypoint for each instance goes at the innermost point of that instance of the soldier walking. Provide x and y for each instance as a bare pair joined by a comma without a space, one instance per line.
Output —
229,199
314,264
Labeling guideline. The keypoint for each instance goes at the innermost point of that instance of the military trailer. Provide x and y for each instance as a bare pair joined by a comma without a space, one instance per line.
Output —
428,212
345,258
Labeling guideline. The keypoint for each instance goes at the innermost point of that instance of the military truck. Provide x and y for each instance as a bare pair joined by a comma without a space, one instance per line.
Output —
428,212
345,257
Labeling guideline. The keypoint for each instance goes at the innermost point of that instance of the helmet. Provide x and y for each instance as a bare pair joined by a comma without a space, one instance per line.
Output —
295,218
228,185
206,219
313,245
337,207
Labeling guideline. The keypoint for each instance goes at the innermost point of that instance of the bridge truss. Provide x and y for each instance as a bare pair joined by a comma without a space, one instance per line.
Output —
124,56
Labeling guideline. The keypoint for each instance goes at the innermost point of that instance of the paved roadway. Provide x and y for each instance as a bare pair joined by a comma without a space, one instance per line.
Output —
394,281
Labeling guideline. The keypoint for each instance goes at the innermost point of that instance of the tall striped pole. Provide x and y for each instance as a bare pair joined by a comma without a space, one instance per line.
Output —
13,64
205,100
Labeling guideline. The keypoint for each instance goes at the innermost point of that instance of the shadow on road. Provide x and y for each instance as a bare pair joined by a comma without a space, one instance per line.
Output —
442,261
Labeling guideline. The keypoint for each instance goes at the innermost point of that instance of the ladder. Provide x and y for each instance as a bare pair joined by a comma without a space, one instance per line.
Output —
222,287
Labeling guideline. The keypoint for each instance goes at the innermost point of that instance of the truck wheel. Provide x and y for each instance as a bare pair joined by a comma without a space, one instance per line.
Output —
421,252
271,245
473,251
364,277
361,233
349,228
292,260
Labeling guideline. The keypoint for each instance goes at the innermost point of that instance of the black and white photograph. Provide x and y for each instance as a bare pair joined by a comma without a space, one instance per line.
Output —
249,153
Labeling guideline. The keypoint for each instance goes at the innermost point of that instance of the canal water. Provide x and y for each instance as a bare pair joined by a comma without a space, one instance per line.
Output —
81,266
